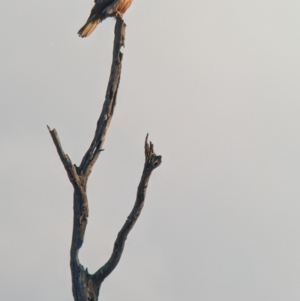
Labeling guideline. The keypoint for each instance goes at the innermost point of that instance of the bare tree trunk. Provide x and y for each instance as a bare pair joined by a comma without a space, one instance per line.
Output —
84,285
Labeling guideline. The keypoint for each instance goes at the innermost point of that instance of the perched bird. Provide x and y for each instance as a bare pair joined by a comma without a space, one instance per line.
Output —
102,10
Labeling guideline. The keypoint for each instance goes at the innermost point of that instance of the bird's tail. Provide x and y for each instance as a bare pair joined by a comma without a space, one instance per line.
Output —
88,27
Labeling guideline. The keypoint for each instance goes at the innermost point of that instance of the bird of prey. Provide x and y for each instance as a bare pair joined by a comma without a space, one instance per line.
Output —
102,10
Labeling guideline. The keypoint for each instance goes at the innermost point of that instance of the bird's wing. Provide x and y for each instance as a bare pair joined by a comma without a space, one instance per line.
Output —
104,2
98,8
104,7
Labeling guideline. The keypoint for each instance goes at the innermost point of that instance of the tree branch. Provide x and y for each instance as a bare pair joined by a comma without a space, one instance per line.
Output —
94,150
151,162
66,161
83,287
86,287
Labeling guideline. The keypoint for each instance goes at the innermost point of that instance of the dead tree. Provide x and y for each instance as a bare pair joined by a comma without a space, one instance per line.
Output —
85,286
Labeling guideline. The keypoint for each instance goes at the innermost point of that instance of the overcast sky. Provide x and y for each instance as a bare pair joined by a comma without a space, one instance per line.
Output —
216,85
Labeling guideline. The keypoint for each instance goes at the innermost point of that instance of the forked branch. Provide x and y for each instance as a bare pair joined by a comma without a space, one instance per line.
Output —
84,285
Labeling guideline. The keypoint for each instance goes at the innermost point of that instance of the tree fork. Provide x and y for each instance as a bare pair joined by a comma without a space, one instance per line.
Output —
85,286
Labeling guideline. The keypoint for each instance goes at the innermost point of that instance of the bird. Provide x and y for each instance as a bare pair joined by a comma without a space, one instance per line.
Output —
102,10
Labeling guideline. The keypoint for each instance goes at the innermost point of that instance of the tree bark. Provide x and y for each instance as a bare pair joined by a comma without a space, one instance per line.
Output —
85,286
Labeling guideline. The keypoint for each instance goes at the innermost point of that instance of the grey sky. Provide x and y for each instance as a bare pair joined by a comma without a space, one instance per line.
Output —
216,84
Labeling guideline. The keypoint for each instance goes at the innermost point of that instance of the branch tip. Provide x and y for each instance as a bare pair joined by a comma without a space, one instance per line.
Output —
152,161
